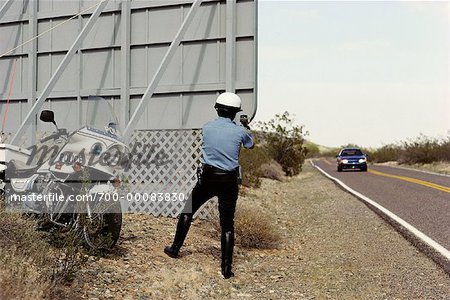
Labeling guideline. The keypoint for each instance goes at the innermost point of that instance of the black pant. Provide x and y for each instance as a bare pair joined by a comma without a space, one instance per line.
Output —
225,187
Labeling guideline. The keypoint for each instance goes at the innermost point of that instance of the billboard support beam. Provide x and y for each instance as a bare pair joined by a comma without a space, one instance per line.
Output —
32,64
161,70
5,8
230,68
125,53
59,71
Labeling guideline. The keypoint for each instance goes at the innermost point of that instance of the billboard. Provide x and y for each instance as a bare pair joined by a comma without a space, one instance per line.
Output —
120,55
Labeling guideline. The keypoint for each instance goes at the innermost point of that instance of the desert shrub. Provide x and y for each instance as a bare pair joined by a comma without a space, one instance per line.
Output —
311,150
284,142
444,150
272,170
329,152
421,150
71,256
251,161
254,228
386,153
424,150
350,145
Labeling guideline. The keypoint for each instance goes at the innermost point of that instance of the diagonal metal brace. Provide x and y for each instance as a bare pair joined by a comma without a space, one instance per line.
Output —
161,69
5,8
59,71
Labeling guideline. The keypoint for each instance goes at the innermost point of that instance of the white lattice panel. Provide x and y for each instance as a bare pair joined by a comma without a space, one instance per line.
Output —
169,164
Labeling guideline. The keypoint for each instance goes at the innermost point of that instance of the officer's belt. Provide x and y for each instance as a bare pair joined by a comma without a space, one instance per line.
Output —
211,170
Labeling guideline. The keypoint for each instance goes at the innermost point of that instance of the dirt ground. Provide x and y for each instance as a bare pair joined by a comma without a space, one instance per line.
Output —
332,247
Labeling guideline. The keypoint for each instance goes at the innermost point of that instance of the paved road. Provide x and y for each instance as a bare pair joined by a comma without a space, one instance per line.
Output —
421,199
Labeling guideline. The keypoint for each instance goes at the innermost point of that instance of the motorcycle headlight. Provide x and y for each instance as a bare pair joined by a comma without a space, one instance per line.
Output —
345,161
96,149
362,160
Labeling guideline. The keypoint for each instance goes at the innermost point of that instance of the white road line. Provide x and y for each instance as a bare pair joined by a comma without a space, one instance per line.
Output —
414,231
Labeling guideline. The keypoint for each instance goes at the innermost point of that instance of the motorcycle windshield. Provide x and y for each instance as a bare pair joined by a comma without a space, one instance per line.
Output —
100,117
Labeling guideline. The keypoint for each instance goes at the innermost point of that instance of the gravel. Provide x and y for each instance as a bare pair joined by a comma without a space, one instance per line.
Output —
332,247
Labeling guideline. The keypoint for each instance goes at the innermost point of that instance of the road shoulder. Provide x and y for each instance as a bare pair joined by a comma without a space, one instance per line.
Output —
333,246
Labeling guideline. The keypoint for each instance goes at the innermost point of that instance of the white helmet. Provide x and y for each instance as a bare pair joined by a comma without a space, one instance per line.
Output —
228,101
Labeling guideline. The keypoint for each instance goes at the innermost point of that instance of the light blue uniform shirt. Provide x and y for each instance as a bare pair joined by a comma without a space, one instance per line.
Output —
222,140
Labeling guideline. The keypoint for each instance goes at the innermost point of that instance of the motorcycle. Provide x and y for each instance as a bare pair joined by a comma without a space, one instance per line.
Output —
72,181
7,153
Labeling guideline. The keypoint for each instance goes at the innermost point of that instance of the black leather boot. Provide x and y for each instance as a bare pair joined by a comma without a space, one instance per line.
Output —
227,244
184,222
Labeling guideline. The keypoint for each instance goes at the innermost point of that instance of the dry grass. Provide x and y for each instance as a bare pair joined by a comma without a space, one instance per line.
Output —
30,267
272,170
436,167
20,278
24,258
254,228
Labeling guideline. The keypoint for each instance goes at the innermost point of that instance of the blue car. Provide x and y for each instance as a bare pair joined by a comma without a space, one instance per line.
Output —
351,158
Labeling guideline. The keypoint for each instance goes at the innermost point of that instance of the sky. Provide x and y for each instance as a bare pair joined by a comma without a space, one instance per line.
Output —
367,73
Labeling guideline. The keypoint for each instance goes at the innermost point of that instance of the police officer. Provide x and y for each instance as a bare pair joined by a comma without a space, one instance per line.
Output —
222,140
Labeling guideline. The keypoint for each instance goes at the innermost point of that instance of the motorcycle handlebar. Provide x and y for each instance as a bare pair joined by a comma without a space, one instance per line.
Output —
50,137
54,135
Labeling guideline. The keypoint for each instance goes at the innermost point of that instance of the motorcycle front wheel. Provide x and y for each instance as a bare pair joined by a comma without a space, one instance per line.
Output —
101,231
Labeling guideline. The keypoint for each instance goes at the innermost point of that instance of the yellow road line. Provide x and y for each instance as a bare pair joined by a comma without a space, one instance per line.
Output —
327,162
413,180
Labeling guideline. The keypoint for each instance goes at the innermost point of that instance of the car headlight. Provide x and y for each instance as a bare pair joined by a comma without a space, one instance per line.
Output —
362,160
345,161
